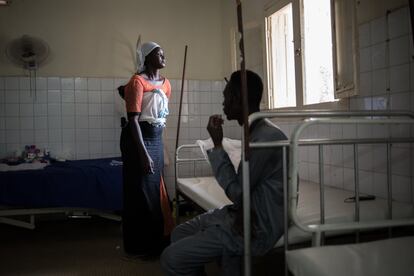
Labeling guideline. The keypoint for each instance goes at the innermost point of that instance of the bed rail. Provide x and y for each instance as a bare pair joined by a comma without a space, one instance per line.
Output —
179,160
290,184
318,229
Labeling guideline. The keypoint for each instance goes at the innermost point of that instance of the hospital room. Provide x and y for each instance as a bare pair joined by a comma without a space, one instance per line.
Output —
277,140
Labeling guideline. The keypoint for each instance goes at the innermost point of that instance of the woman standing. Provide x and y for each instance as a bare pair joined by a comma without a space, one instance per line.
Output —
146,217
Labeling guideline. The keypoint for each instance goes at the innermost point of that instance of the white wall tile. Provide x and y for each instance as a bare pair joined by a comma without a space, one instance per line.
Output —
381,131
400,78
13,136
67,83
109,147
55,135
94,110
68,109
53,96
68,122
2,137
337,155
41,136
366,182
95,122
348,156
401,188
365,59
81,96
380,185
95,134
94,84
11,83
337,177
54,122
81,84
303,170
81,109
205,85
11,96
313,172
108,134
108,110
82,135
400,130
82,122
400,160
40,122
68,96
365,82
193,85
24,83
26,123
40,96
40,109
399,50
107,97
82,149
378,30
26,96
53,83
364,32
94,97
95,147
27,136
108,122
400,101
379,82
398,22
12,110
379,56
54,109
365,157
107,84
12,123
41,83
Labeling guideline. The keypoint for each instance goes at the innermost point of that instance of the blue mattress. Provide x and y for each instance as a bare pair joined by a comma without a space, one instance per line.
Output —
79,184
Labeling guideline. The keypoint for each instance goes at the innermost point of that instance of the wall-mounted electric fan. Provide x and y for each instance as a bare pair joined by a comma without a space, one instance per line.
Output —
29,53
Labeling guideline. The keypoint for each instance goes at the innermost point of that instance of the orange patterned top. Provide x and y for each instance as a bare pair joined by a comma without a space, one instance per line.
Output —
135,89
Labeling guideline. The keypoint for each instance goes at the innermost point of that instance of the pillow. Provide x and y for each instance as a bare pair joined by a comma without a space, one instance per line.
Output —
231,146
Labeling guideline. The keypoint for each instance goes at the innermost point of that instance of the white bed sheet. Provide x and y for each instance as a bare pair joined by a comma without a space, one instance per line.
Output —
206,192
379,258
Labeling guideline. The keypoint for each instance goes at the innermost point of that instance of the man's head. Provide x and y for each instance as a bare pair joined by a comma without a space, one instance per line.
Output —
232,105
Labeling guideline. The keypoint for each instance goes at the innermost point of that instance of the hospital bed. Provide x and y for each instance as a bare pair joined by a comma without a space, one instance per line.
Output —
318,206
76,188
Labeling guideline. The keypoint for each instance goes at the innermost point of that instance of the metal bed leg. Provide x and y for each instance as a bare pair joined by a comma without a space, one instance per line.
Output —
19,223
285,208
389,184
356,179
322,190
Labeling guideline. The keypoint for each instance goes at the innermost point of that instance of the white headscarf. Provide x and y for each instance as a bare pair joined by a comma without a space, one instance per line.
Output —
143,52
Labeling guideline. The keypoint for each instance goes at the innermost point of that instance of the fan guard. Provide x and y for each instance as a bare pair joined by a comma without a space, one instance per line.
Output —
28,52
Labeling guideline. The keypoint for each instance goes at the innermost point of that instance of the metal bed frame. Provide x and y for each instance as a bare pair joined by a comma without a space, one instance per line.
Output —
290,181
291,147
13,216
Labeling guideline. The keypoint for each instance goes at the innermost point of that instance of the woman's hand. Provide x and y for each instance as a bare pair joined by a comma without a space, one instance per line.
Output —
147,164
215,129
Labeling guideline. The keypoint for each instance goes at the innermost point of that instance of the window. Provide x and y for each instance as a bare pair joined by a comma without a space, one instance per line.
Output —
304,66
